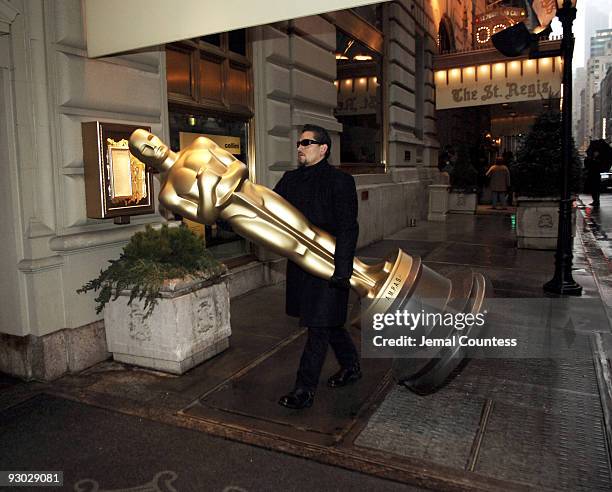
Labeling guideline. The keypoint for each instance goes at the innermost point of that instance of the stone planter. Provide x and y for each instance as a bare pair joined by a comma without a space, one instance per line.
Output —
460,202
191,323
438,202
537,222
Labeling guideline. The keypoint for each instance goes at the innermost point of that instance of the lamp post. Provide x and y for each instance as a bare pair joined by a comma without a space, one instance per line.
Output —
563,281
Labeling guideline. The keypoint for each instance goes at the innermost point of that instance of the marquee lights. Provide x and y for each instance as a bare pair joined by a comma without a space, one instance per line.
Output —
350,84
483,35
494,70
494,21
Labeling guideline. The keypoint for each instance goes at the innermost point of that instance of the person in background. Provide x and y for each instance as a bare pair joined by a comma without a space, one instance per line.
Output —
499,177
508,157
593,168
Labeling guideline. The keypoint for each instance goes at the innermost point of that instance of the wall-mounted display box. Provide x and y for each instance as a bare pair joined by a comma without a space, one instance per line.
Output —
117,185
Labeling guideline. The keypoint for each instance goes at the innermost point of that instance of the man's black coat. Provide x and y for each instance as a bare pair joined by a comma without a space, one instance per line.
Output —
328,199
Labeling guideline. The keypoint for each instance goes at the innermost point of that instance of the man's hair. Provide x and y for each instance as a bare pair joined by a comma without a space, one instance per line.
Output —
320,135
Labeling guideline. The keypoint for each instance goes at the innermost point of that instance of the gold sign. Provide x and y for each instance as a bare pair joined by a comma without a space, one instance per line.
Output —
195,227
497,83
127,174
230,144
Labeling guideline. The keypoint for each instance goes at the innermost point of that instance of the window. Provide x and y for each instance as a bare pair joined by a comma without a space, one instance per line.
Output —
211,71
359,88
210,94
230,133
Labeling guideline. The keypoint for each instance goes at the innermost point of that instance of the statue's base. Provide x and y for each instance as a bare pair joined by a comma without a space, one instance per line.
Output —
412,286
426,375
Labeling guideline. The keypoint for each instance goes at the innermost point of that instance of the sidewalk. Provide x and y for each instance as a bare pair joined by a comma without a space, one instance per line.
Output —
499,424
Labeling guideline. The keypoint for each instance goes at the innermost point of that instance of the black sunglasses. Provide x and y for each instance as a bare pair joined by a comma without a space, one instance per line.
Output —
306,142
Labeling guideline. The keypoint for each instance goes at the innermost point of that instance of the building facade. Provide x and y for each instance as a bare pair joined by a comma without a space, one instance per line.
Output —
597,66
605,97
600,42
262,84
578,105
596,18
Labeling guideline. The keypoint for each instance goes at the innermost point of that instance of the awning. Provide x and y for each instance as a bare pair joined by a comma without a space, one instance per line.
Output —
115,26
498,83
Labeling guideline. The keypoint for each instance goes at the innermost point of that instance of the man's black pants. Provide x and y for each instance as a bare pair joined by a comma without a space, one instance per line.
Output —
315,350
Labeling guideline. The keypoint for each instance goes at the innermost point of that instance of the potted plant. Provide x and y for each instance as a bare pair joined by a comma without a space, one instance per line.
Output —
463,197
536,176
165,302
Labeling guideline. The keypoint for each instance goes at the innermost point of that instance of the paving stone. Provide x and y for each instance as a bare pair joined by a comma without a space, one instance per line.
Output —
440,428
561,451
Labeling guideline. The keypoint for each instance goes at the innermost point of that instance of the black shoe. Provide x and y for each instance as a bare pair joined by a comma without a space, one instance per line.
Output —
345,376
299,398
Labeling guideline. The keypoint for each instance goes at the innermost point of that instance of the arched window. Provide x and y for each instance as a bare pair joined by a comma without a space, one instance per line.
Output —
446,41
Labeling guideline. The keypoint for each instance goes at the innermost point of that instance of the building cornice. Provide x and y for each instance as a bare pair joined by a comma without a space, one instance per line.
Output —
8,13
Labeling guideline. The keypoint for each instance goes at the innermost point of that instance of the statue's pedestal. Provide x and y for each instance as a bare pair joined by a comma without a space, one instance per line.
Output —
190,324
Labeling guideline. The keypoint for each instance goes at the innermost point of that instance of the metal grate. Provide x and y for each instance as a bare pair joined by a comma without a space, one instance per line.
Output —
439,428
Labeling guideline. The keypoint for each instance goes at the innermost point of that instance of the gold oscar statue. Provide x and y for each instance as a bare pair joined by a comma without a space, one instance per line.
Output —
205,183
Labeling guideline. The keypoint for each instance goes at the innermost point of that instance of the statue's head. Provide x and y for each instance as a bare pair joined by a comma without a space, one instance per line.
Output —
150,149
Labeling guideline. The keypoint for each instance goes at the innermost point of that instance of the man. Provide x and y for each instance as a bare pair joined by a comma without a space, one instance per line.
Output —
328,199
499,177
593,167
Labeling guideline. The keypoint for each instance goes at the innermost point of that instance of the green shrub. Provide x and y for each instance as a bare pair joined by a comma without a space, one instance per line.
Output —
150,258
537,169
463,175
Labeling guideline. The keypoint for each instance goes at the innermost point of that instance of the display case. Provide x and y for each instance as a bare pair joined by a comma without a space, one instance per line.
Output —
117,185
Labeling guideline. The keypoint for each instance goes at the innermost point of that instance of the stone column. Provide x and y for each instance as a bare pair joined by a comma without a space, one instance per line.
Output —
49,88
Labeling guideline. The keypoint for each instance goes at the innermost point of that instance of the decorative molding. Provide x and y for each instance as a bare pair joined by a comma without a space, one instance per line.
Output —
8,13
93,239
40,264
36,228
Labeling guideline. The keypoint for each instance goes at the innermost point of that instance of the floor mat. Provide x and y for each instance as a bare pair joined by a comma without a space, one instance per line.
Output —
252,398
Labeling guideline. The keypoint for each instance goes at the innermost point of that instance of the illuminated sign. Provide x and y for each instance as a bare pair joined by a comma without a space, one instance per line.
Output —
493,21
504,82
231,144
357,96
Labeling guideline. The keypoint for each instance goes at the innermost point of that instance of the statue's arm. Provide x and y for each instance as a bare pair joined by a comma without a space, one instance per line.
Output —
172,201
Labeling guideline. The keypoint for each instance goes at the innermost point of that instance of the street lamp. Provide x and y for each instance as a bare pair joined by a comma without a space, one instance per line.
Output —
515,41
562,281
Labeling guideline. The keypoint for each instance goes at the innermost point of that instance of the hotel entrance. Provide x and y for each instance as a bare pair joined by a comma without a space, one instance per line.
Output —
486,104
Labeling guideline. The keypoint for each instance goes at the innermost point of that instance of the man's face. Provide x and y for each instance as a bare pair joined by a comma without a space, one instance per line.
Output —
309,155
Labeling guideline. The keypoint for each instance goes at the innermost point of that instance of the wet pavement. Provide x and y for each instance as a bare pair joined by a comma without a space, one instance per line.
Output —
99,449
498,424
599,221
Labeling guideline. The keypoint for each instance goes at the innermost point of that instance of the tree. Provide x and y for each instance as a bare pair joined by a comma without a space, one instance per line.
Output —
463,175
537,171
